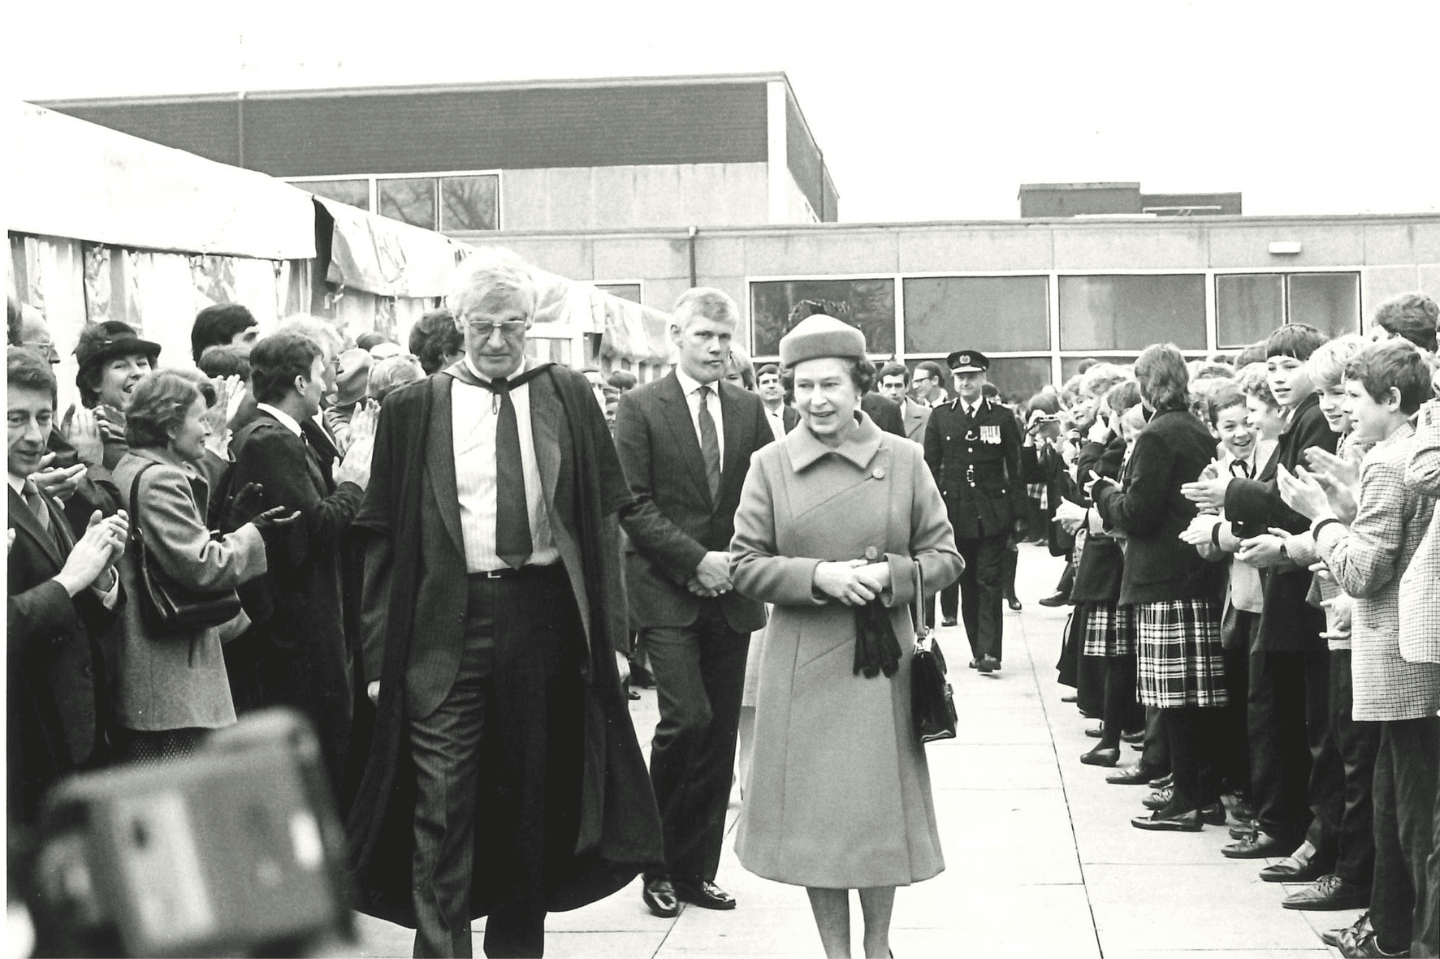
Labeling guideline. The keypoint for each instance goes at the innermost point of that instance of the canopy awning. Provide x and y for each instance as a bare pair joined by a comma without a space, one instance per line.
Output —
386,257
78,180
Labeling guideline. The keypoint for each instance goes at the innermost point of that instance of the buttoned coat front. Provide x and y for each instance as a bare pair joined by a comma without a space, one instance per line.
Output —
1420,584
839,792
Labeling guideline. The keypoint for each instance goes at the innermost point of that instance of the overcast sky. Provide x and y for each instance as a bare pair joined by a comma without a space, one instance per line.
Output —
924,111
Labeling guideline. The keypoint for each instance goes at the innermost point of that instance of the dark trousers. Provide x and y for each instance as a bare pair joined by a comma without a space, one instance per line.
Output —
699,680
1010,564
1406,767
1295,771
1234,734
1192,731
1352,846
1122,712
982,596
949,605
316,682
502,751
1426,942
1155,758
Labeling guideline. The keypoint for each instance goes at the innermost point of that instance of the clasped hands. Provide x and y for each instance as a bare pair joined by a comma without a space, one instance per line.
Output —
853,582
1069,515
712,576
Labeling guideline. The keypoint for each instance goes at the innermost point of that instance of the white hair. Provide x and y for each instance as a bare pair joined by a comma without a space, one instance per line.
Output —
488,269
319,331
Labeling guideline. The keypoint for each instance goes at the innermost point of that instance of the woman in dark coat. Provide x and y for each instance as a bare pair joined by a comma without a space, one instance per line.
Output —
1175,592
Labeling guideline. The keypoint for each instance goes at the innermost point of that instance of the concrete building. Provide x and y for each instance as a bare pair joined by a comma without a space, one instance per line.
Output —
545,155
1109,199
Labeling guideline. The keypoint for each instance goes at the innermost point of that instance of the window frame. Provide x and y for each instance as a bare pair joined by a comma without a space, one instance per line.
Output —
1054,353
374,193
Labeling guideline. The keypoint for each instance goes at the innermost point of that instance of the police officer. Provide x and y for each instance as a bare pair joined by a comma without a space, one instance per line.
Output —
972,445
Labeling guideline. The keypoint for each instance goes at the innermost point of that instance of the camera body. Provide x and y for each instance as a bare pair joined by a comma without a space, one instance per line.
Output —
234,851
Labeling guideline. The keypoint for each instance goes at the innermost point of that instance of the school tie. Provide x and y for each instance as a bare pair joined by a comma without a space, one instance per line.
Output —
709,444
512,510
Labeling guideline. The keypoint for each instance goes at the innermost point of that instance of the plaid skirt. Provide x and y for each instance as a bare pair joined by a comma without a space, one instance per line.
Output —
1109,630
1182,662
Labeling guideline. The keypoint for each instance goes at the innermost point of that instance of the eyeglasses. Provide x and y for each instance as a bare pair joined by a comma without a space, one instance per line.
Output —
483,328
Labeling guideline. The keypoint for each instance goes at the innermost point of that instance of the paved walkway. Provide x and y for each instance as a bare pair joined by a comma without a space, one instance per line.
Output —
1041,857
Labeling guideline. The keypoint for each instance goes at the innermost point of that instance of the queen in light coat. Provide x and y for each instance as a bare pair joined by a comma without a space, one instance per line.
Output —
837,513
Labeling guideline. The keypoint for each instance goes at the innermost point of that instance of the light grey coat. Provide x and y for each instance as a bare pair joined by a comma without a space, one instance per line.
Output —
1420,584
838,794
177,681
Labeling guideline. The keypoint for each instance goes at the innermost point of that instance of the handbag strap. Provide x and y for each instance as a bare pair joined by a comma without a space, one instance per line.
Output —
135,535
917,605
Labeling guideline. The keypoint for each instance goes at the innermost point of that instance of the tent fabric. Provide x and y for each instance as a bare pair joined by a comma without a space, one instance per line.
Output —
386,257
82,181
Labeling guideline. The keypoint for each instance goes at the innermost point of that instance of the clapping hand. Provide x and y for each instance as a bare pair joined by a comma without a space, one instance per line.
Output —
355,466
1303,493
1339,608
234,395
1341,470
844,581
1090,484
1210,472
1201,531
218,442
110,421
81,429
1069,515
1262,551
273,520
59,483
1207,493
244,506
95,553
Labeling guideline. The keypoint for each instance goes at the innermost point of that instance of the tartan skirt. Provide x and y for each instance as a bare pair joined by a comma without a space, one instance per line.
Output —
1109,630
1182,662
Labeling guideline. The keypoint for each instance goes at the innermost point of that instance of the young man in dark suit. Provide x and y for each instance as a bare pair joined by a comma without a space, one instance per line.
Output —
685,442
301,657
61,595
972,445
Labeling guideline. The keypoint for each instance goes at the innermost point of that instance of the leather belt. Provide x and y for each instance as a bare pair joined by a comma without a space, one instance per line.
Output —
524,572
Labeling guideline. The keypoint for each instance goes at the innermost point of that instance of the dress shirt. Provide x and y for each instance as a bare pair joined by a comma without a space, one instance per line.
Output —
108,597
286,420
971,408
691,388
776,419
475,413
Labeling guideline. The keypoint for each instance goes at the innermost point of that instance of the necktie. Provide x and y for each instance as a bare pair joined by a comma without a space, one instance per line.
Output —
36,502
1240,468
512,511
709,444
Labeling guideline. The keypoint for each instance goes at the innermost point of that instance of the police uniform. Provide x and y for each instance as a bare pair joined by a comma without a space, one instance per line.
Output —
976,463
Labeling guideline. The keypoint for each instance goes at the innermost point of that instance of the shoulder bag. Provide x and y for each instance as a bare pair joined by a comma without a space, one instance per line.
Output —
165,605
931,698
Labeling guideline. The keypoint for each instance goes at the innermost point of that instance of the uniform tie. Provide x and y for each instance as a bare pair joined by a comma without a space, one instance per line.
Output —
709,445
512,510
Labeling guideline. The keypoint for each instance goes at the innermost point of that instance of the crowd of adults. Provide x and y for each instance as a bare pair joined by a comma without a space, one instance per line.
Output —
454,559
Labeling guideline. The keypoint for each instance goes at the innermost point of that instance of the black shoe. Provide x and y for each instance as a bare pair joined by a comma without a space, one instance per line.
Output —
1161,782
660,896
1095,732
1299,866
1101,756
702,893
1015,604
1055,599
1357,930
1131,776
640,677
988,664
632,694
1213,814
1328,893
1072,698
1135,737
1165,820
948,622
1260,846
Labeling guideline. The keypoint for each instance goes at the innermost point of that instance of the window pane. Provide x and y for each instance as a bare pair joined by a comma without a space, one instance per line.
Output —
410,201
1070,365
866,304
1247,308
469,203
354,192
1019,377
1330,302
1132,312
626,291
1004,314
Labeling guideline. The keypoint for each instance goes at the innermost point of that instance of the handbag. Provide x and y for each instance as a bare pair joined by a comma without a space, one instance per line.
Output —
931,698
167,606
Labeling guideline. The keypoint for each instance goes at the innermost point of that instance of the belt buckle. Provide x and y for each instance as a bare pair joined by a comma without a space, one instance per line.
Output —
493,574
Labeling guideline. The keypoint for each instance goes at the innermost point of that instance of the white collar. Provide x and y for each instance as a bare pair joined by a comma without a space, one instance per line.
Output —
524,365
688,383
17,483
286,420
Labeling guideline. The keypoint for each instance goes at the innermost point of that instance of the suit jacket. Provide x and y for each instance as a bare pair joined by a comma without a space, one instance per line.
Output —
789,417
56,702
302,581
915,416
1289,623
1420,584
660,454
1367,560
885,413
985,500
